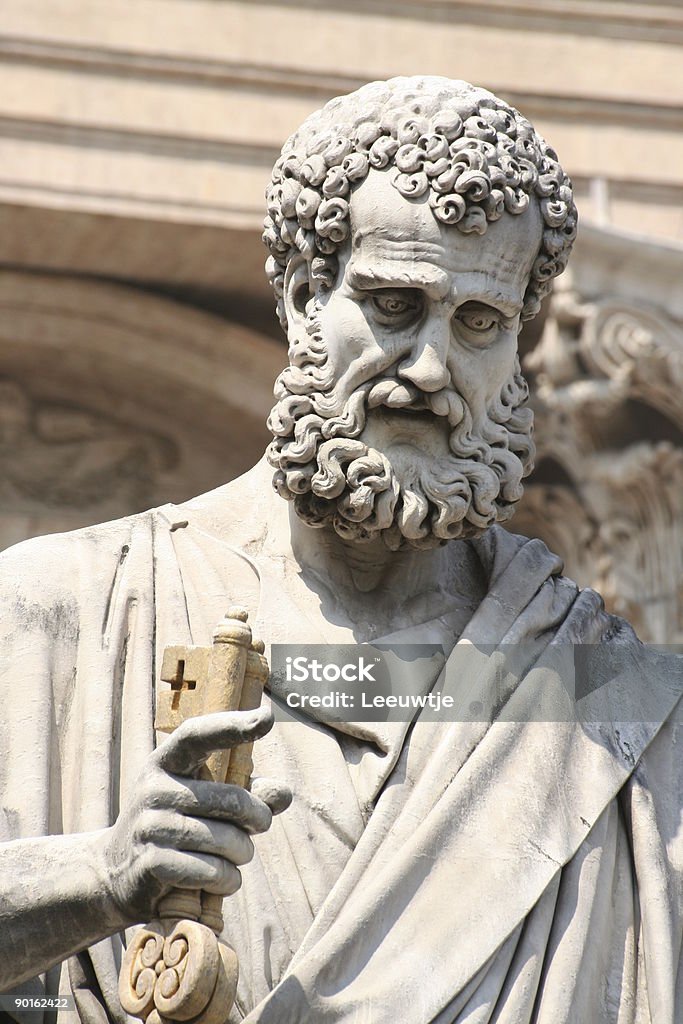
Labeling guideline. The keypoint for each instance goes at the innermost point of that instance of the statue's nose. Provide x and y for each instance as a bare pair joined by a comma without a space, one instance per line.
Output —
426,366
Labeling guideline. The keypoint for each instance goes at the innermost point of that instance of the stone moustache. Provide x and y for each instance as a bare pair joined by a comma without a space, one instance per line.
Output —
515,869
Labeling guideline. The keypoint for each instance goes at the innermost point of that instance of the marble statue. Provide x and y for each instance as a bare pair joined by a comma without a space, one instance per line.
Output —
510,869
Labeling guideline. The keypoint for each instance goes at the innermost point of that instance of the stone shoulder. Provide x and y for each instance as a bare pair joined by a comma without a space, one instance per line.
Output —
48,570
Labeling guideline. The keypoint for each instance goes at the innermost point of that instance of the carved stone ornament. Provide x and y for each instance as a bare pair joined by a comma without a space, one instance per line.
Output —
175,968
608,490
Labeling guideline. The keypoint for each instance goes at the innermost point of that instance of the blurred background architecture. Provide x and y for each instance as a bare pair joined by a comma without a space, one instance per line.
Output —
138,341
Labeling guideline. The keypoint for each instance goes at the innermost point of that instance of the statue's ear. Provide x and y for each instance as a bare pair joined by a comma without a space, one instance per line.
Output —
297,290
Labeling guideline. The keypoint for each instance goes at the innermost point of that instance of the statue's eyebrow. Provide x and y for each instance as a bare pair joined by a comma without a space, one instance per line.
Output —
508,301
433,281
506,305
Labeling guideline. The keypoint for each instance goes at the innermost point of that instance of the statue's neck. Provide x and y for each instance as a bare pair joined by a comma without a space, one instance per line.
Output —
367,588
363,567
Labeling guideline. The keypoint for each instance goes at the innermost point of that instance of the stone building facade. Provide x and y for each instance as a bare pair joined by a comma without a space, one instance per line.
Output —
137,334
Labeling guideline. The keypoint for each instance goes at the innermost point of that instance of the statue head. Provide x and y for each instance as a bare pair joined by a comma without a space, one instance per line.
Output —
412,226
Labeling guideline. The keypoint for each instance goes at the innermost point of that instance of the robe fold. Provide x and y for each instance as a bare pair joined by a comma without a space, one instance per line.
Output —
523,868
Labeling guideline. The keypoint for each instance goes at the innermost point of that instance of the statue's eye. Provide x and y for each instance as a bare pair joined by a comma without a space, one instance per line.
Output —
397,304
479,319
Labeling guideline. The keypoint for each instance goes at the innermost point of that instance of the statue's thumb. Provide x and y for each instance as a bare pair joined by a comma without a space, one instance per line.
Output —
276,795
194,740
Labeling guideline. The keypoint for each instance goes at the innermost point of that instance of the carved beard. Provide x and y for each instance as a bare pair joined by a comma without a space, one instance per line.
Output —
325,465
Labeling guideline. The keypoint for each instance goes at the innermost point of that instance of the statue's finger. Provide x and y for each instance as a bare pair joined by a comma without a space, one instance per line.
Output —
201,835
189,870
276,795
203,799
196,739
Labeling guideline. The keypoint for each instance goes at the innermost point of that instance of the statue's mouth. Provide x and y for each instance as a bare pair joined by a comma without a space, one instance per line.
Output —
404,413
395,395
401,397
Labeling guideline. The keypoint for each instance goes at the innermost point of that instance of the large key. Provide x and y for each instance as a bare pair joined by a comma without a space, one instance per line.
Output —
175,968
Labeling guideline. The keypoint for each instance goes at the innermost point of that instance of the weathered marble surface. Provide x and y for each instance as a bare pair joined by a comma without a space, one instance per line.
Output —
511,870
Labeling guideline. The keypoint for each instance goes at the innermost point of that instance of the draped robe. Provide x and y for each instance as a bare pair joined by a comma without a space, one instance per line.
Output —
514,870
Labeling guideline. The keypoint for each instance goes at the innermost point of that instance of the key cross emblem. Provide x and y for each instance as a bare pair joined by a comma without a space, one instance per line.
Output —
180,682
186,669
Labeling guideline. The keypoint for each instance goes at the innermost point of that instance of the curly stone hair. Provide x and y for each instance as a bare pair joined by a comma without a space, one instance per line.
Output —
472,154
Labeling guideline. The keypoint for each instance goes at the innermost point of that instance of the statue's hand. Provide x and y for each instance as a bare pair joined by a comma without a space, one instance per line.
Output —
189,833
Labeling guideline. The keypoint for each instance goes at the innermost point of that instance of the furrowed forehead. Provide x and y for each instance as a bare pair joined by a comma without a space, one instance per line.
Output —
397,240
378,209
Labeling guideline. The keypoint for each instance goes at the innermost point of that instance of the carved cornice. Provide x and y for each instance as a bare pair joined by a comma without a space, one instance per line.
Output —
125,140
627,19
64,133
225,88
133,63
316,84
229,206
